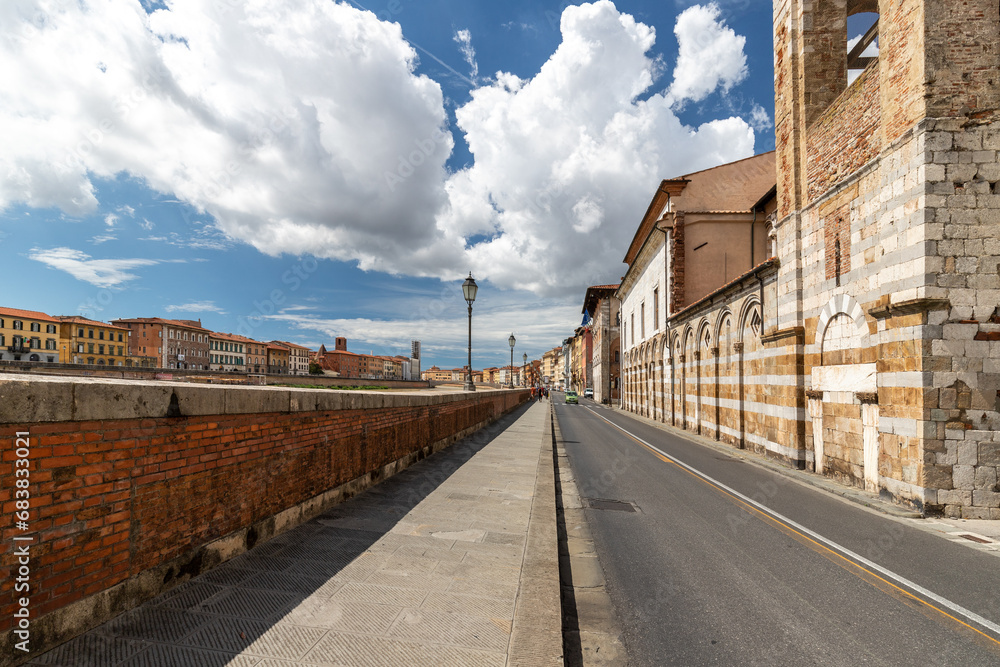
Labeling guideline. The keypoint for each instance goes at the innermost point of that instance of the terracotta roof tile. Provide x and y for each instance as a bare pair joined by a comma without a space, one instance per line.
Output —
28,314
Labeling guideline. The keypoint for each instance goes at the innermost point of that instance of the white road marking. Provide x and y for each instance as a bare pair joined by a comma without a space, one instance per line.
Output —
899,579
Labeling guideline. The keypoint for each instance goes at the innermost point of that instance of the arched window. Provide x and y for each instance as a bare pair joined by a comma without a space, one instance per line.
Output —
862,37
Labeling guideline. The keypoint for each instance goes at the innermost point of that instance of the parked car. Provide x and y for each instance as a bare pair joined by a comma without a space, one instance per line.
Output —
571,397
588,393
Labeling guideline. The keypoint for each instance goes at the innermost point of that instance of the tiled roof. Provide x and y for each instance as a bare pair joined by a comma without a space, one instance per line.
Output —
28,314
76,319
159,320
293,345
732,187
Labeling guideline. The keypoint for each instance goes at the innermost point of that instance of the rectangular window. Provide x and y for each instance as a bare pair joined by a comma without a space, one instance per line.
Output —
642,319
632,327
100,349
100,335
35,326
79,348
90,333
120,350
656,309
79,332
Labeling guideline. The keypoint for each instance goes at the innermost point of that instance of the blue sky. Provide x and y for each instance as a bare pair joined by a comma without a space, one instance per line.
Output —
303,174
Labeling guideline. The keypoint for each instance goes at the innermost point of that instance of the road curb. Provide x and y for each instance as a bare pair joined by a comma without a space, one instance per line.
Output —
592,633
851,494
536,633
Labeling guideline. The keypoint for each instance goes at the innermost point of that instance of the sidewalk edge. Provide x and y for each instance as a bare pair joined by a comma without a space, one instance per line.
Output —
536,633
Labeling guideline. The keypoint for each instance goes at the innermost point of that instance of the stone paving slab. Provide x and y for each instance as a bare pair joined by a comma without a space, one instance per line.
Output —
424,569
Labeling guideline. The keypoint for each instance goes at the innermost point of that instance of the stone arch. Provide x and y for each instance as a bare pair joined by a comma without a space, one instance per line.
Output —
677,390
690,377
750,311
842,304
664,353
726,379
703,362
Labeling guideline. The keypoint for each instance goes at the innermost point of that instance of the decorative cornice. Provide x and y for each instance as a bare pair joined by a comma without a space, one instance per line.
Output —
910,307
867,396
814,394
799,333
738,346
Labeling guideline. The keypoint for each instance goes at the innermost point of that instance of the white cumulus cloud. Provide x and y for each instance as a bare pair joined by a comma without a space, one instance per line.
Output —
711,54
567,161
280,120
304,128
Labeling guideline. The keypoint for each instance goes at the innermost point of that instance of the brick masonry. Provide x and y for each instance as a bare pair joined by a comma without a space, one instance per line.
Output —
129,483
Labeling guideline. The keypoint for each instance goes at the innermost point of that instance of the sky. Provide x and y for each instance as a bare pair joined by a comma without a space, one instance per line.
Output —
304,170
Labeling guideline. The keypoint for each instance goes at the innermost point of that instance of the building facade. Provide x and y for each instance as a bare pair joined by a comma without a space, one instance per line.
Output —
95,343
298,358
227,352
603,308
278,357
862,339
179,344
29,335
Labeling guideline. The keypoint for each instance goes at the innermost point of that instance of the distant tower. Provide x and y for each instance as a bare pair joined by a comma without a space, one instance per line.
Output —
415,359
340,344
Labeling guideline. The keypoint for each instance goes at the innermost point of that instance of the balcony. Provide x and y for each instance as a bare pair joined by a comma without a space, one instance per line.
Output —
20,347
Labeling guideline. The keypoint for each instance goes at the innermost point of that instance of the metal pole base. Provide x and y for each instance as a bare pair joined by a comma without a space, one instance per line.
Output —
470,386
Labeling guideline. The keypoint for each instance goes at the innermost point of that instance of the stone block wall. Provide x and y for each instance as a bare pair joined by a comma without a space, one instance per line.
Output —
721,371
962,351
137,486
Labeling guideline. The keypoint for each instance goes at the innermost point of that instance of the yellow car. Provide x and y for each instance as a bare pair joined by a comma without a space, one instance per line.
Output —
571,397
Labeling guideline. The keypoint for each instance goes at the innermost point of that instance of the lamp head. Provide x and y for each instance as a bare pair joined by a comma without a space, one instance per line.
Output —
469,289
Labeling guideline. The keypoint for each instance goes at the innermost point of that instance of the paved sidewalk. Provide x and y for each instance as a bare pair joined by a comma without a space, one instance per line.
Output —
434,566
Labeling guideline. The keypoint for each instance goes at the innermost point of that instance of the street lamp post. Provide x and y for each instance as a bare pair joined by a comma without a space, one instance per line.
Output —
524,370
469,290
511,341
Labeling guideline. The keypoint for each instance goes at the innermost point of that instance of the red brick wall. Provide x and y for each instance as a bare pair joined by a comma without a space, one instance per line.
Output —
110,499
846,136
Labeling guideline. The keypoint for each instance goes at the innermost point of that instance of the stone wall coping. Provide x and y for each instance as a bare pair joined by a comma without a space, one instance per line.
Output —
29,399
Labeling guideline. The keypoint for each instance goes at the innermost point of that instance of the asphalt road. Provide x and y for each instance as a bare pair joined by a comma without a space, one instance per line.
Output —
752,568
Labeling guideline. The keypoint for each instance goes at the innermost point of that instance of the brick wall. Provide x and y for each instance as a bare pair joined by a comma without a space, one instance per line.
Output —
846,136
120,490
